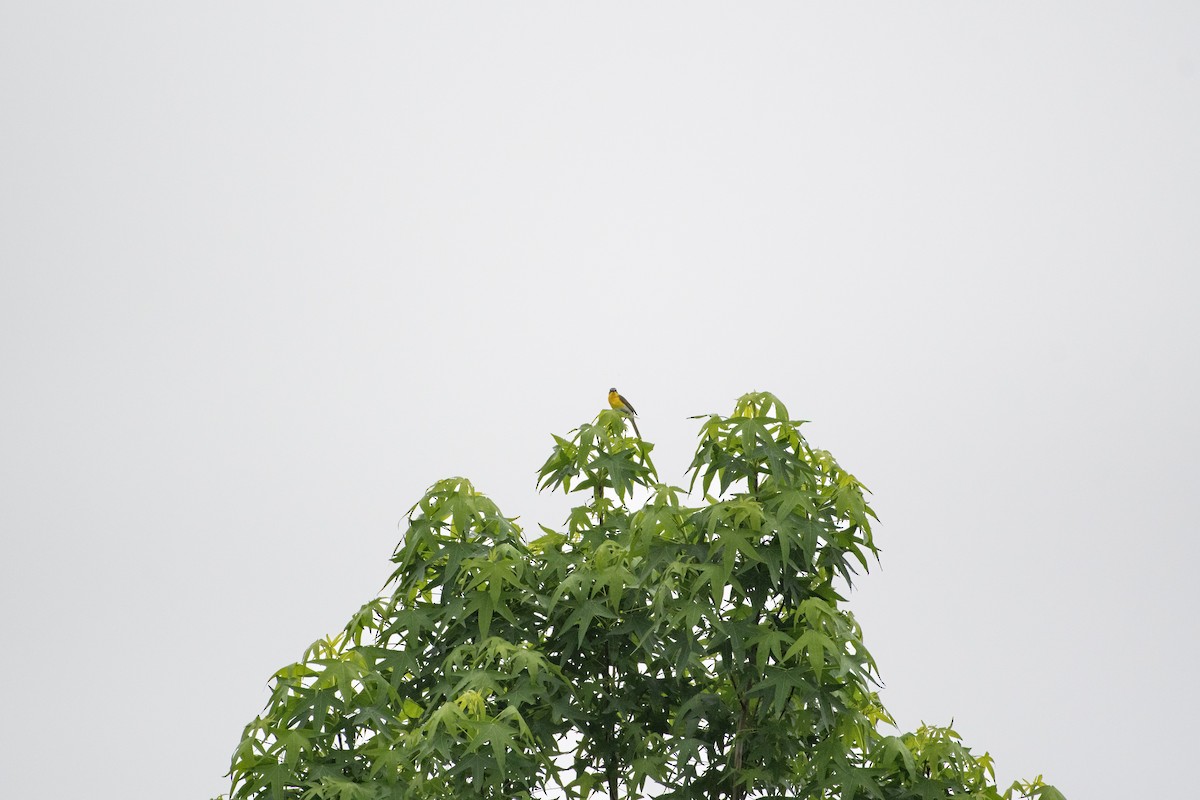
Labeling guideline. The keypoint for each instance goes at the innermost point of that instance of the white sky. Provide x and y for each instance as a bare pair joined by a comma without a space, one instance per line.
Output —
267,270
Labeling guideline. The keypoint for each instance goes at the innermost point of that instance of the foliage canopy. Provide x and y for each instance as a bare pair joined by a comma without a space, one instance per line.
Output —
663,650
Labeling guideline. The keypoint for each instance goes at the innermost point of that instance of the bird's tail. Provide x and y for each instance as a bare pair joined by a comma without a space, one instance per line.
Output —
633,422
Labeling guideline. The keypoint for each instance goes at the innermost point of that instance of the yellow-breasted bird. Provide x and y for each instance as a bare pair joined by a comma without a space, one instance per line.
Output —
625,407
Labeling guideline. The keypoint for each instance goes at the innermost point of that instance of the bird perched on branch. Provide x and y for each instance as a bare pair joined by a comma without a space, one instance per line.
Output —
625,407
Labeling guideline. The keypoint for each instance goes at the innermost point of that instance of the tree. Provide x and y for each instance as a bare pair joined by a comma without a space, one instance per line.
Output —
666,650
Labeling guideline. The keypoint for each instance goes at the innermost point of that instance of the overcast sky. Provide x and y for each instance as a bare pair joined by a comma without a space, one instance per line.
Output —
268,270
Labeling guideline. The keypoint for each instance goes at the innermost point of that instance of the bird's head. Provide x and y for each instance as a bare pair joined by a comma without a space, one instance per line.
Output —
612,389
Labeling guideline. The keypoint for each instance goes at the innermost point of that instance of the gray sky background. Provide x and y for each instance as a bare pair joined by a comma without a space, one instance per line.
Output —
268,270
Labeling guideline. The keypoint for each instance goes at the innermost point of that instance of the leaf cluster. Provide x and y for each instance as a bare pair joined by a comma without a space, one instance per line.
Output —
660,648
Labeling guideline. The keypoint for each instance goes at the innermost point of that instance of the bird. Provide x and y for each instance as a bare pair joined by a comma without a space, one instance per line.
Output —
625,407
